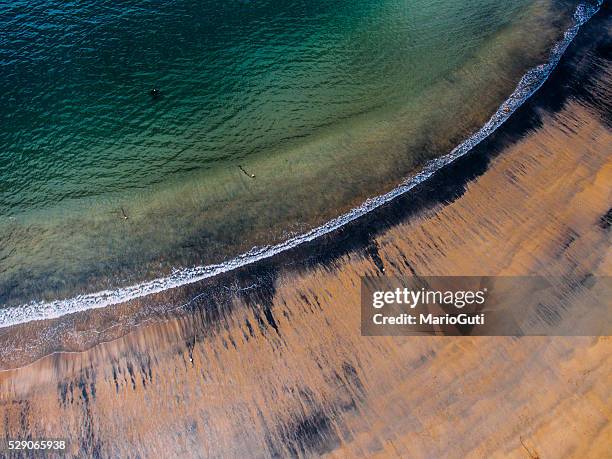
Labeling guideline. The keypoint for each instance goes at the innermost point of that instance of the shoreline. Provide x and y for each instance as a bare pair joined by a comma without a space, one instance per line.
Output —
269,359
204,218
84,329
529,84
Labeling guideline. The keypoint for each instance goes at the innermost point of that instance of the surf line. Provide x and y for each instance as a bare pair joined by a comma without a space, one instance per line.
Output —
527,86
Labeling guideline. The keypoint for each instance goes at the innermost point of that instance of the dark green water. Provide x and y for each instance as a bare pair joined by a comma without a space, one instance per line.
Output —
326,102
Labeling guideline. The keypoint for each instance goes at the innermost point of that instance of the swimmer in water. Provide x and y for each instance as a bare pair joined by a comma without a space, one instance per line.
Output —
155,93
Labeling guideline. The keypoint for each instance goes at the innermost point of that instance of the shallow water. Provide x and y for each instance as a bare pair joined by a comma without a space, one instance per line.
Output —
326,104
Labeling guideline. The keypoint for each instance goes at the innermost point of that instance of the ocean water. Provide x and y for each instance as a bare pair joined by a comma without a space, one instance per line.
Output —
325,103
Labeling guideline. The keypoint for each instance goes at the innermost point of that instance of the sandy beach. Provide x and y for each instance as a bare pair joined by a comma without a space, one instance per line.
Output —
268,360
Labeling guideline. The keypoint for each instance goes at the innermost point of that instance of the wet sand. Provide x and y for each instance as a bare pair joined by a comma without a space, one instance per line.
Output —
268,360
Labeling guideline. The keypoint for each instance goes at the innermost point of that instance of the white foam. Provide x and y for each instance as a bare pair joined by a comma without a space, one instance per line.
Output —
528,85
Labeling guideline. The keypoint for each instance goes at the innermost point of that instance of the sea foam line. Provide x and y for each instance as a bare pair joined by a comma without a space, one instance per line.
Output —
526,87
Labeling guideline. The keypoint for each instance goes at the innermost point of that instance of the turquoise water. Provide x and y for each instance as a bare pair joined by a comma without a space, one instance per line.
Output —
236,78
326,103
